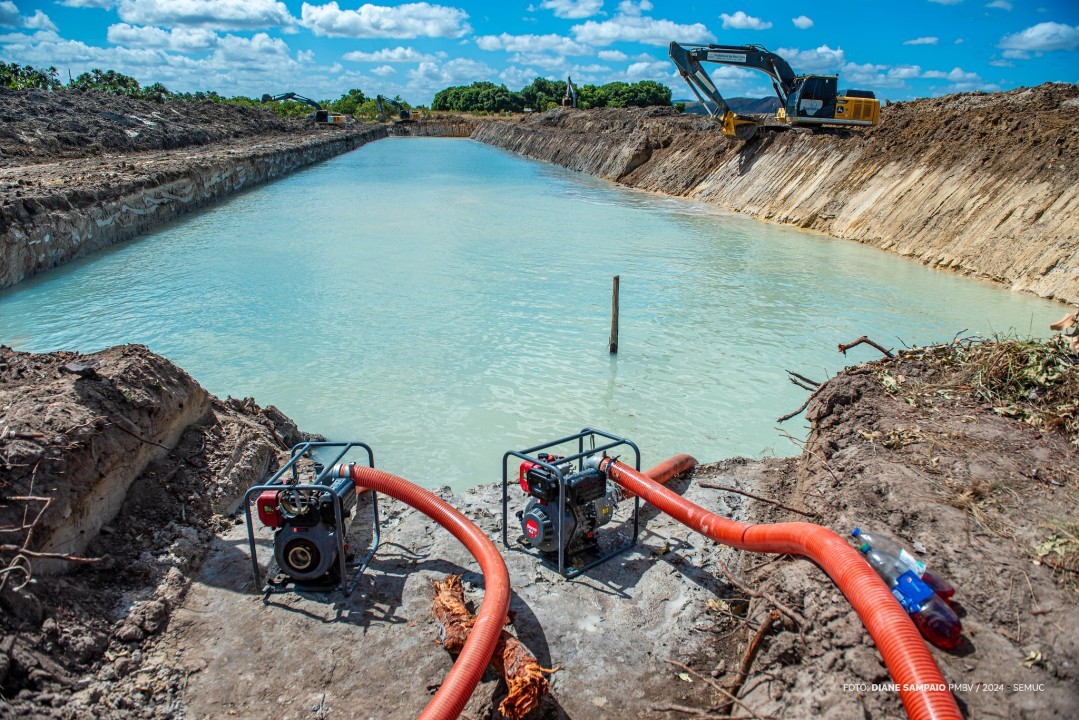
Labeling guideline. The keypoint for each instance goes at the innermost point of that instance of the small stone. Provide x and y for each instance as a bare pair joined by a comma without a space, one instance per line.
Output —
130,632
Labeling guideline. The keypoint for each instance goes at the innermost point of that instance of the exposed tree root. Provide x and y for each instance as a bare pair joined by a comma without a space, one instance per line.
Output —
524,676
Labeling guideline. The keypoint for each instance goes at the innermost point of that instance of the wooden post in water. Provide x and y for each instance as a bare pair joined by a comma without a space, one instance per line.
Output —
614,316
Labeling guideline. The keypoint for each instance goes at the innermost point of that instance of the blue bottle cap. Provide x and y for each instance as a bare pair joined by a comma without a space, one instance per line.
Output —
855,532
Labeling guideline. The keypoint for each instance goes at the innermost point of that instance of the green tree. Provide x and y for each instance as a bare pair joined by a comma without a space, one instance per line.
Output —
478,97
107,81
542,93
591,96
25,77
349,103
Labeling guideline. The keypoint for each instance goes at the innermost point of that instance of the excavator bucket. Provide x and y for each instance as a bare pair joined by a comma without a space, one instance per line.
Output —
739,127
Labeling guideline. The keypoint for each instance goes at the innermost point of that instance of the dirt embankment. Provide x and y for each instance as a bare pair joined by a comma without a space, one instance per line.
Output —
928,448
983,184
122,457
80,171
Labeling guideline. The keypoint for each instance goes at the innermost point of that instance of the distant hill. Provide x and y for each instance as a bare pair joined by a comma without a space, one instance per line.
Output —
742,106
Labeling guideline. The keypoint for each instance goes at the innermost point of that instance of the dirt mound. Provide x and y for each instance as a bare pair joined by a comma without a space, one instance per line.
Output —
73,426
37,126
1028,131
989,502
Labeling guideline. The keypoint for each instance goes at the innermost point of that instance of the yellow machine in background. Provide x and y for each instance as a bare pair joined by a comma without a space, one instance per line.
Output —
805,100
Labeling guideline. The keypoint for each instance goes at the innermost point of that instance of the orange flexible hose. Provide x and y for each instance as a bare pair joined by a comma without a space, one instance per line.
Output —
472,662
922,687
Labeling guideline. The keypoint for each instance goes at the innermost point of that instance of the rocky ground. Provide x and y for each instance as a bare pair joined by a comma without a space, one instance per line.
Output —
959,452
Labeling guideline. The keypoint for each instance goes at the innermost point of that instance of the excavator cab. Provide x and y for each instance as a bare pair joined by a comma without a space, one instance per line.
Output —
816,101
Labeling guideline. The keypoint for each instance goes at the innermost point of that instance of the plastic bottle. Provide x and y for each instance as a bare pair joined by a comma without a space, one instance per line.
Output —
936,621
878,541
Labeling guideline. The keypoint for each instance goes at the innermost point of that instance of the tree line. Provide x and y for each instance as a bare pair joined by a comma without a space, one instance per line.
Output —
24,77
540,95
543,94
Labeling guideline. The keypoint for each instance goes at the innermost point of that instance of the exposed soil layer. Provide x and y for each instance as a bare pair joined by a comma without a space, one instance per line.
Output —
984,184
167,624
37,126
138,463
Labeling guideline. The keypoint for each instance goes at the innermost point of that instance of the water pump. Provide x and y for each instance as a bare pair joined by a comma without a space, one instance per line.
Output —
589,504
307,528
310,521
569,499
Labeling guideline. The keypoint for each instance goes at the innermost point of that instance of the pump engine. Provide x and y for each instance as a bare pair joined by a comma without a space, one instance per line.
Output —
306,528
589,503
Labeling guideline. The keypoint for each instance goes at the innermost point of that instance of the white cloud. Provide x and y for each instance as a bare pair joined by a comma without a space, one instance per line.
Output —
104,4
1000,5
946,2
9,14
650,31
389,55
9,17
384,70
1002,63
959,41
628,7
661,71
573,9
517,77
556,64
740,21
406,21
532,44
218,14
181,39
955,75
436,76
922,41
802,22
258,48
821,60
905,72
612,55
1043,37
39,21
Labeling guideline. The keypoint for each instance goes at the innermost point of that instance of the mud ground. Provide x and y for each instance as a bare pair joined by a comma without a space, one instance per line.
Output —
169,625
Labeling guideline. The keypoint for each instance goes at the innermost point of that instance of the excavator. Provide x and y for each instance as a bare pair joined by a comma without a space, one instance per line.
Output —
805,100
321,116
402,113
570,98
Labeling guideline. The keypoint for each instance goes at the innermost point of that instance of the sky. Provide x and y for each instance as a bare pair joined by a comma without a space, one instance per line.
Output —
901,49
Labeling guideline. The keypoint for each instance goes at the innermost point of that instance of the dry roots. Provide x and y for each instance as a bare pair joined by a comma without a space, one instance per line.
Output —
523,675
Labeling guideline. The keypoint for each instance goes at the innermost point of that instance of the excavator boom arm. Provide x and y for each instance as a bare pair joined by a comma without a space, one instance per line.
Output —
291,96
688,61
689,67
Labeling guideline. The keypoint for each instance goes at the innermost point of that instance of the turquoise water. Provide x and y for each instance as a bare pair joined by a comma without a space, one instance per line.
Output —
446,301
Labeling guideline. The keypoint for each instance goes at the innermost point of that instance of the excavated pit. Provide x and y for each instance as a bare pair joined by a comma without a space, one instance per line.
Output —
143,467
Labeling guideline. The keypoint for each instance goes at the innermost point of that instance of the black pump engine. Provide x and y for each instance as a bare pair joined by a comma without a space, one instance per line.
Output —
306,528
589,504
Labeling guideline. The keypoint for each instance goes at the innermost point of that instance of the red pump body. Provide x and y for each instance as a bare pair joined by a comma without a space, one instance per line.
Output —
269,511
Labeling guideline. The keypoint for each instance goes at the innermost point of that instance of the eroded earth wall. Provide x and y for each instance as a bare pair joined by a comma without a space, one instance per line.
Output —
983,184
